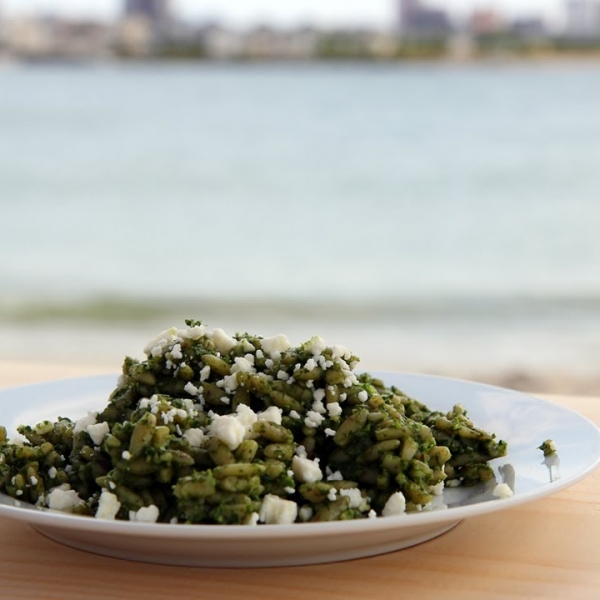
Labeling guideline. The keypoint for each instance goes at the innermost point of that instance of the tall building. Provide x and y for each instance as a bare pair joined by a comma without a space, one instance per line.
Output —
583,19
156,12
417,20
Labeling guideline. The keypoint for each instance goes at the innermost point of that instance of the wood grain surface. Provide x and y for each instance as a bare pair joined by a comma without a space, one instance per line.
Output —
545,549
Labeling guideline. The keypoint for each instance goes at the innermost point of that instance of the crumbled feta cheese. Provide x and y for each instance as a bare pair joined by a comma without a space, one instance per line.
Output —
318,395
363,396
126,455
98,431
310,364
243,365
502,490
329,432
176,352
195,437
319,407
305,513
278,343
332,494
161,340
294,414
316,345
190,388
247,417
338,351
146,514
222,341
108,505
289,490
63,498
192,333
313,419
83,423
33,480
273,414
276,510
282,375
52,472
228,429
300,451
269,363
252,519
306,470
230,383
372,514
395,505
204,373
355,497
334,409
334,475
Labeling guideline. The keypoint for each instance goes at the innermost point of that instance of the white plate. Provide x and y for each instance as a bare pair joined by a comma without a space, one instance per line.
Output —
523,421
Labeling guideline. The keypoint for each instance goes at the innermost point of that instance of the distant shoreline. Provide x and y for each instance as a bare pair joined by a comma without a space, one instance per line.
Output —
508,59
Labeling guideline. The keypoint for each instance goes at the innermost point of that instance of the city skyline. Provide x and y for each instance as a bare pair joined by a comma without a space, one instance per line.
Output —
375,13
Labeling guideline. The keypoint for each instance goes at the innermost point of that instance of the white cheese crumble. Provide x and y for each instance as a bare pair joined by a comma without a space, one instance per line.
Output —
363,396
243,364
395,505
160,341
276,344
252,519
502,490
192,333
334,409
306,470
300,451
222,341
83,423
146,514
329,432
63,498
332,494
305,513
176,352
52,472
98,432
355,498
273,414
275,510
126,455
204,373
294,414
228,429
316,345
190,388
313,419
195,437
108,506
334,475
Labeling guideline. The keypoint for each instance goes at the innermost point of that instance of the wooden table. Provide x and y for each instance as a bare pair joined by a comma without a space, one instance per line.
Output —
545,549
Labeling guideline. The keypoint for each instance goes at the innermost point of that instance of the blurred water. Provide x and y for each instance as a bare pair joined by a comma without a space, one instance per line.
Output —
402,187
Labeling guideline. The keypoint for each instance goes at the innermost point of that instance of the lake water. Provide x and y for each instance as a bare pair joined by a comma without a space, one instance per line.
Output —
431,214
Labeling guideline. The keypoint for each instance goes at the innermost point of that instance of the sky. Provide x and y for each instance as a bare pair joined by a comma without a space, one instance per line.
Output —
379,13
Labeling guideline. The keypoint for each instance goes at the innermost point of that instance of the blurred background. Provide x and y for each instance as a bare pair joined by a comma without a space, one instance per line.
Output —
416,180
